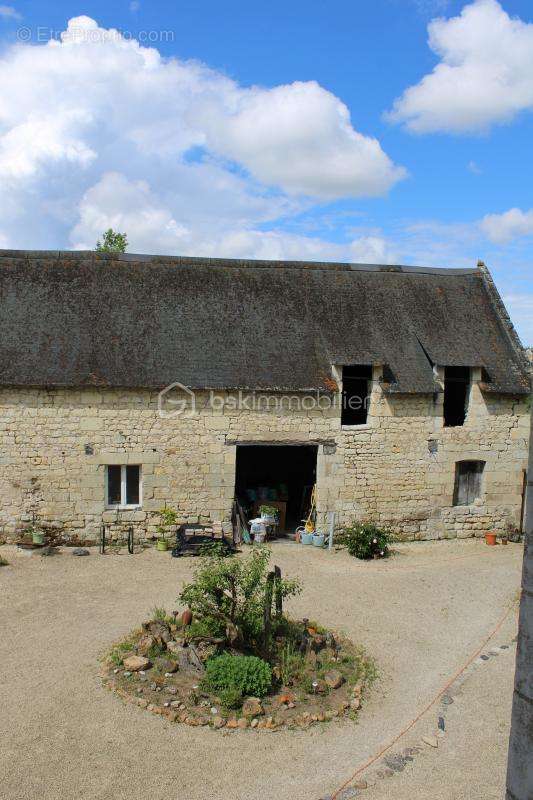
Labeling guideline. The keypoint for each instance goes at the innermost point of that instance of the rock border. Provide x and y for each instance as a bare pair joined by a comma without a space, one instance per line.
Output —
334,695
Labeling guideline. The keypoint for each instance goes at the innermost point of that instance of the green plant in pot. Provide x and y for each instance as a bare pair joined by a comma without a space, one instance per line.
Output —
169,517
37,535
270,514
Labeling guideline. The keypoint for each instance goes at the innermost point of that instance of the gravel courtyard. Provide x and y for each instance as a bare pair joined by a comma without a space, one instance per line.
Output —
420,614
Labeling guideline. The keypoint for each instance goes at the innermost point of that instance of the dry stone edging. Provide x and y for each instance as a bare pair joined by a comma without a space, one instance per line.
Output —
394,763
179,656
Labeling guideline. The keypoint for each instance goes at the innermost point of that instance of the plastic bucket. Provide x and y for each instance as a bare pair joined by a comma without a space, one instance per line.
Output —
319,539
307,538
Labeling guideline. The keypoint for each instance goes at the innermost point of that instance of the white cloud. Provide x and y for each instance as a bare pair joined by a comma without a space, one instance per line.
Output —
502,228
132,207
8,12
179,155
101,89
129,207
485,73
300,137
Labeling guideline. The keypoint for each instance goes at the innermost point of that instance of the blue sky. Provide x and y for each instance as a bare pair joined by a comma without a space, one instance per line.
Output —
325,130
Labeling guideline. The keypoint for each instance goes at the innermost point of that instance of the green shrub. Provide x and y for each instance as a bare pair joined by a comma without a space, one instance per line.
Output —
365,540
3,562
204,629
248,674
231,698
228,594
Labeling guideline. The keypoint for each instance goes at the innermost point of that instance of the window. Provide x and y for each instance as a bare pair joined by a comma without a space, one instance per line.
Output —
467,482
123,485
456,389
356,382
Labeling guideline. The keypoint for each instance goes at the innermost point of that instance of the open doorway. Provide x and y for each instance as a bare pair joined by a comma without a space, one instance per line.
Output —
281,475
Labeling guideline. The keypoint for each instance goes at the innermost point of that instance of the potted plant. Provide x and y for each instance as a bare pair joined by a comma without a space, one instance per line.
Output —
168,518
308,533
269,515
37,536
490,538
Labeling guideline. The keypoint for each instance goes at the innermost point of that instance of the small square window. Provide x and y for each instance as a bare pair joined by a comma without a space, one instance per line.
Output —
468,476
123,487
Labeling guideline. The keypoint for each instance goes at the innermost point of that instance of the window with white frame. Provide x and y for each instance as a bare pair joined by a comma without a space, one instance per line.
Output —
123,485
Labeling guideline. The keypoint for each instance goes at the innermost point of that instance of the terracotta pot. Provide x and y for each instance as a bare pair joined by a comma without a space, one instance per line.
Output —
186,617
490,539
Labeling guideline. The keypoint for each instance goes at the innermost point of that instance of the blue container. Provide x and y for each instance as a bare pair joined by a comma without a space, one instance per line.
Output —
307,538
319,539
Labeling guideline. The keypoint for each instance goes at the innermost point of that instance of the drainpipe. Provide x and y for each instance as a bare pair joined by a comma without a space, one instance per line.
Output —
520,759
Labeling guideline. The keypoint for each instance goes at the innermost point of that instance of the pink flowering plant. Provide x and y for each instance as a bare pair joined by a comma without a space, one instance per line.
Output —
365,540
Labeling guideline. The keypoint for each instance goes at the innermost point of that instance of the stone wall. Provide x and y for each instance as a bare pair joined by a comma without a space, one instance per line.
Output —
398,469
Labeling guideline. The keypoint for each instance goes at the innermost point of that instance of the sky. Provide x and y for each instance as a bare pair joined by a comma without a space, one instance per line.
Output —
373,131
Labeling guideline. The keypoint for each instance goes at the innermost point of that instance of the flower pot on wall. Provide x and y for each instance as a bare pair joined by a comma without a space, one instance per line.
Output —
37,537
490,539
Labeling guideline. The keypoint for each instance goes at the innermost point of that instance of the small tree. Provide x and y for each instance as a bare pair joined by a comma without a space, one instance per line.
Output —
227,597
112,242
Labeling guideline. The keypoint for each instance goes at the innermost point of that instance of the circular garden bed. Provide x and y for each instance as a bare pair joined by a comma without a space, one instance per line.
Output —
232,659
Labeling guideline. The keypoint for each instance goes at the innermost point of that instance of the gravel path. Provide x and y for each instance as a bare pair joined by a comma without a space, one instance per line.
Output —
471,760
420,615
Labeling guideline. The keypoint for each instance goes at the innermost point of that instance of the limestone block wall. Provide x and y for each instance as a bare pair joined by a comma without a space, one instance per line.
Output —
398,469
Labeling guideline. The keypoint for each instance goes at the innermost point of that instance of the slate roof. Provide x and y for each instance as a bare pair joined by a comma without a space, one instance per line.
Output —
82,319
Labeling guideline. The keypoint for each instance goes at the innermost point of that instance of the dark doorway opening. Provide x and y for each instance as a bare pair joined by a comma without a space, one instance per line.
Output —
355,394
276,474
456,388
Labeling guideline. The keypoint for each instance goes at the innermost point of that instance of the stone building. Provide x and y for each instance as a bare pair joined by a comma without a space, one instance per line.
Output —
133,382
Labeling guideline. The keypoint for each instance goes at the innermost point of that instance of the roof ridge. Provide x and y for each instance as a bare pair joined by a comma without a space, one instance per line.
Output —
238,263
